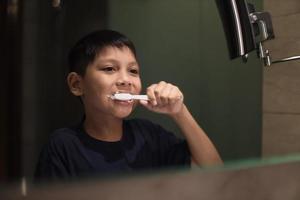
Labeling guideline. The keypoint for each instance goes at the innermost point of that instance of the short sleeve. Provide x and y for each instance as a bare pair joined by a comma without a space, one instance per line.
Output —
173,151
177,154
170,150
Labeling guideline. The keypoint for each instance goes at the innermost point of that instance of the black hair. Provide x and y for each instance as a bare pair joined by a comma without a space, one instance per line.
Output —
87,48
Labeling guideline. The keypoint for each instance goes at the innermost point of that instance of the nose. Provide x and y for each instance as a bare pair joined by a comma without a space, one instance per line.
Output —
124,80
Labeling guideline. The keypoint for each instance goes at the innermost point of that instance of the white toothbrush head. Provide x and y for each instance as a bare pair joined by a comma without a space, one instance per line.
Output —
121,96
127,97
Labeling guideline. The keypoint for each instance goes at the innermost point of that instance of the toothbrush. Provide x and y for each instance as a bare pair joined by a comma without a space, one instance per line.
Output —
127,97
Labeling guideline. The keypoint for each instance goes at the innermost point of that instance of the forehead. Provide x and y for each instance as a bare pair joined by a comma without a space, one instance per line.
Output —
113,52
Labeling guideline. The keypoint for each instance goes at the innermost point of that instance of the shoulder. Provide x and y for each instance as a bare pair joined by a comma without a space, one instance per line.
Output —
62,138
63,134
55,156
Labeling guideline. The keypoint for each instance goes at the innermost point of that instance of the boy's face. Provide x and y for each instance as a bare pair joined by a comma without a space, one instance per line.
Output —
113,70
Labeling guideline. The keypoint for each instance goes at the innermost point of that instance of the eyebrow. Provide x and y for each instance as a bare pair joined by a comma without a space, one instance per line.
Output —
116,61
134,63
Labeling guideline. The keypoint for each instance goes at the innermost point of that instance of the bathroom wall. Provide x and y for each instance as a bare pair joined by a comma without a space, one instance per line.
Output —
281,85
183,42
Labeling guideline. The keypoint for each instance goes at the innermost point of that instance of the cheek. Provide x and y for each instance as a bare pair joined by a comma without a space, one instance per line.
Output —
104,82
138,85
98,87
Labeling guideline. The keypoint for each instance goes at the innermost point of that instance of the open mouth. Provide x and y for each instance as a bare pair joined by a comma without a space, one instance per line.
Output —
129,101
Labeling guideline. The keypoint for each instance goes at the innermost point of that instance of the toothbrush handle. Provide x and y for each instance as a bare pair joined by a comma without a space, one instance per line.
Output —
140,97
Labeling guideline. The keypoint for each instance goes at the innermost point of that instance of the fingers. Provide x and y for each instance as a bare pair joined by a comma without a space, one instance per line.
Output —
151,94
163,93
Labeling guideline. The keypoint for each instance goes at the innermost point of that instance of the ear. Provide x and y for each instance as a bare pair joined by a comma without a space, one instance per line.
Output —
75,83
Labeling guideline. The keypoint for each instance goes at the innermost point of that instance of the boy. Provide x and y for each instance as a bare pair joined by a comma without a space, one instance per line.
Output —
102,64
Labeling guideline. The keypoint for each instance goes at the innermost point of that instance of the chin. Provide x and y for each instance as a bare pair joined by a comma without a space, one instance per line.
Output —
123,114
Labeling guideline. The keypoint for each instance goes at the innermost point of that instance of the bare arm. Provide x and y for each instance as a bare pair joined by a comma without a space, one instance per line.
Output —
167,99
202,150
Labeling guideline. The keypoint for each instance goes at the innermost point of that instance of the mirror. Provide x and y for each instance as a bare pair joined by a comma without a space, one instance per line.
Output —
240,33
177,41
246,29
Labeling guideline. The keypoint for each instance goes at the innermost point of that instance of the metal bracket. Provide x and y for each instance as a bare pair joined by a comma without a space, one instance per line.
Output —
264,23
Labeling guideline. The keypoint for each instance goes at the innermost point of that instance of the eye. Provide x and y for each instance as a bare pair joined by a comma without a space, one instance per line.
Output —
108,69
134,71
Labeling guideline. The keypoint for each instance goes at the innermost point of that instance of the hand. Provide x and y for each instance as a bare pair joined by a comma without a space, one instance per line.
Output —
164,98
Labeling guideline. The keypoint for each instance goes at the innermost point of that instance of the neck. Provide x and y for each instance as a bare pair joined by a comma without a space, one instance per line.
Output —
103,127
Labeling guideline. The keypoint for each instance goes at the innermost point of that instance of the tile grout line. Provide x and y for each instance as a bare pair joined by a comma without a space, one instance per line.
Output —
281,113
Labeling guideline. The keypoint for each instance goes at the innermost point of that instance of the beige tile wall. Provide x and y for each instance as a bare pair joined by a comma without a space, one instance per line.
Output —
281,85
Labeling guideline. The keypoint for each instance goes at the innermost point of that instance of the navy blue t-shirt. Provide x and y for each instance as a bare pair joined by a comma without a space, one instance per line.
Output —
72,153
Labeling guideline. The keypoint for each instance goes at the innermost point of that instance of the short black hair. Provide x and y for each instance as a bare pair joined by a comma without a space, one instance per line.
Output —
87,48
